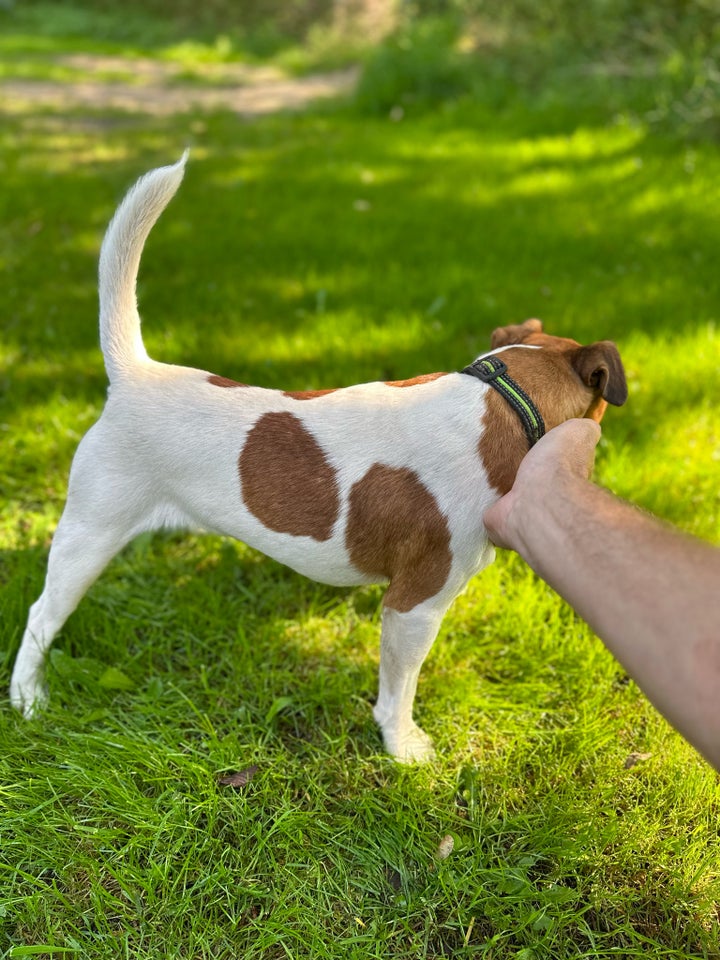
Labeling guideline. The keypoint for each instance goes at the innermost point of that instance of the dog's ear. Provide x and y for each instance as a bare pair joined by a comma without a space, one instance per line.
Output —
515,333
599,366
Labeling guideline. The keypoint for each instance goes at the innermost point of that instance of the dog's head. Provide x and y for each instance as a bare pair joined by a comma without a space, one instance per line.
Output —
563,378
587,377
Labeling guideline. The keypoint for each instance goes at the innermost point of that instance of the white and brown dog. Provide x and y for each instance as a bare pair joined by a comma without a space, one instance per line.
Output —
378,482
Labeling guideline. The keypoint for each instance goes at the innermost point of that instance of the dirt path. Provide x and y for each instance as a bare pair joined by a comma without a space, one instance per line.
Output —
161,89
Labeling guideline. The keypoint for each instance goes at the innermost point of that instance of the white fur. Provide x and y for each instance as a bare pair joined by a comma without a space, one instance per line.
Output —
165,454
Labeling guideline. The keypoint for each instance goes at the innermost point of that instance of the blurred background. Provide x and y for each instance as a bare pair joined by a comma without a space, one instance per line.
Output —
658,60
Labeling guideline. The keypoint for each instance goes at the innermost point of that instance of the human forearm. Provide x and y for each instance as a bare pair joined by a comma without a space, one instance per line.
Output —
652,594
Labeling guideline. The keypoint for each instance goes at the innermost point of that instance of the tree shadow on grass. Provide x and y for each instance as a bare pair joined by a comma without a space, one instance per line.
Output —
268,246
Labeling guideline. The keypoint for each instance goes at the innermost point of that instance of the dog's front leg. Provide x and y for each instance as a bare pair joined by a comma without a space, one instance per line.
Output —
406,641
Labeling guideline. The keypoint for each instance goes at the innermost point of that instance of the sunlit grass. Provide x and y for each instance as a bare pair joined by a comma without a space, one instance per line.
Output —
193,656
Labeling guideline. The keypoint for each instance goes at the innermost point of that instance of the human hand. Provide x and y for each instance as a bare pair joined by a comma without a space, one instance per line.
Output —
565,454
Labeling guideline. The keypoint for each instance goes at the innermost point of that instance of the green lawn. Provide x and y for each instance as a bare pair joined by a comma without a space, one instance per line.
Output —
319,250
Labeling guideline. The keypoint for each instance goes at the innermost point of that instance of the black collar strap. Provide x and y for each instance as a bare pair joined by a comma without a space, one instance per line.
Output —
493,370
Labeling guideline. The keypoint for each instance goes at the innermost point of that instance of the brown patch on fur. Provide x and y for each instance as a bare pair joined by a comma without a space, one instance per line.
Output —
564,380
548,377
308,394
287,482
395,530
223,381
502,443
414,381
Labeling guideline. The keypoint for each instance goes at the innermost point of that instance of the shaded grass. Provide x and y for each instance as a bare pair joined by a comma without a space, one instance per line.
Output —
314,251
655,62
37,38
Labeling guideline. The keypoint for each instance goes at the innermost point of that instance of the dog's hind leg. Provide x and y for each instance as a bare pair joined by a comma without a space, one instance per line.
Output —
101,516
77,557
406,641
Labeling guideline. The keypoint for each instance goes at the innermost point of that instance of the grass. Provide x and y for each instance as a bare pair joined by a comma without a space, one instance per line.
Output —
40,32
310,251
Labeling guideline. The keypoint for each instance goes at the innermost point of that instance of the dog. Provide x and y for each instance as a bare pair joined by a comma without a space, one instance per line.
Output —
376,482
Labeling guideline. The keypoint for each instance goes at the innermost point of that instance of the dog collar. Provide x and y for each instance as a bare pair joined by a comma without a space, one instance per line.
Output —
493,371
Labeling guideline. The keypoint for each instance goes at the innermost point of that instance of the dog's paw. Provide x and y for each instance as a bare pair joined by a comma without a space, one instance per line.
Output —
413,745
28,698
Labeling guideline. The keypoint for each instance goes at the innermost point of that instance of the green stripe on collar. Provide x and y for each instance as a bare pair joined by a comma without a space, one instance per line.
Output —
493,371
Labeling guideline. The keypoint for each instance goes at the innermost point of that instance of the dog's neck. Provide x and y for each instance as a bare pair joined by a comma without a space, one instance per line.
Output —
490,369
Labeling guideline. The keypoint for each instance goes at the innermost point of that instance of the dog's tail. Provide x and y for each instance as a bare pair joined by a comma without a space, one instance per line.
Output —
120,335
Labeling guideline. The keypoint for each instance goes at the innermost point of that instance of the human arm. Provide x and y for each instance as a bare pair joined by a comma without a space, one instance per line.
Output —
650,593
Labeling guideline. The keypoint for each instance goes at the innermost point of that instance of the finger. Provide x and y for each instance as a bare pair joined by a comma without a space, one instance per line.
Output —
573,444
495,520
587,433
